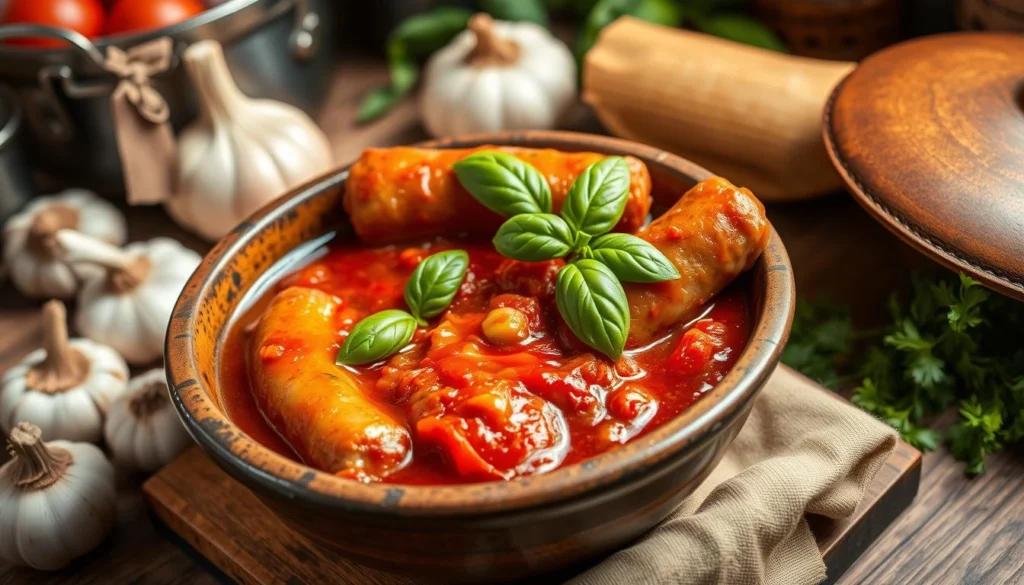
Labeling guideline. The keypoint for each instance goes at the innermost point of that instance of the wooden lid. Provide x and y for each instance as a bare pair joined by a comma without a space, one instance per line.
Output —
929,136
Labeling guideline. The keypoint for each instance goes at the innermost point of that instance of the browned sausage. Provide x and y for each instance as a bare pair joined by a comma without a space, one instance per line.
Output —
316,406
713,233
402,193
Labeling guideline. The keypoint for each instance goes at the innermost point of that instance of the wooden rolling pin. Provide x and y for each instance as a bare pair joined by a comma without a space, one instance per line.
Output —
751,115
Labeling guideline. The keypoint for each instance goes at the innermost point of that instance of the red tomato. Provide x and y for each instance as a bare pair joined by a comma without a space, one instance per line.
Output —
83,16
142,15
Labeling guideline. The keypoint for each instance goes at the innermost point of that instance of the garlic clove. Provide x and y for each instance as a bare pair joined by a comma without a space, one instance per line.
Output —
66,386
57,500
143,431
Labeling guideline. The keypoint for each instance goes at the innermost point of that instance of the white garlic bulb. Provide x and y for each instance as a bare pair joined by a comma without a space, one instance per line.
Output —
57,500
129,305
66,386
35,263
498,76
142,430
240,153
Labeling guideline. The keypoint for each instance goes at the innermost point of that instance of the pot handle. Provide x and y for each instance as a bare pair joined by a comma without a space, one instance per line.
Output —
45,110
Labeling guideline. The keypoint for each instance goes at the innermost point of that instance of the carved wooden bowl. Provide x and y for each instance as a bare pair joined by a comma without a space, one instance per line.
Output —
483,532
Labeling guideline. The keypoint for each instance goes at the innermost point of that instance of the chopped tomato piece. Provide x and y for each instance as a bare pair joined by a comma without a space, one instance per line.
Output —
442,433
693,353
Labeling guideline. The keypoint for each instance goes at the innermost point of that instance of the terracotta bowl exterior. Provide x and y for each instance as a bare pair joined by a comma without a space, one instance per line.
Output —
484,532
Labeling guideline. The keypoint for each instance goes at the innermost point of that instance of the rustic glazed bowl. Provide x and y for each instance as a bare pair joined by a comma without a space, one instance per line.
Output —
483,532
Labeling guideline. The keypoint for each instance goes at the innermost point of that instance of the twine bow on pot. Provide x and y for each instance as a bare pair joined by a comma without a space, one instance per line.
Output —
144,138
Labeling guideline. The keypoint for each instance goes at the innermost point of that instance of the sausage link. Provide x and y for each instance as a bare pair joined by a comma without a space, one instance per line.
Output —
316,406
714,232
401,193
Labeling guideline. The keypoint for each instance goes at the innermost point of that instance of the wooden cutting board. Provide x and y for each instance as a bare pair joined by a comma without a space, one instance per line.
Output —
228,525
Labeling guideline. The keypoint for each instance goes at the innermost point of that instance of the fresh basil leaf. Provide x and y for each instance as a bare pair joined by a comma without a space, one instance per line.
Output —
401,68
598,196
633,259
742,29
665,12
376,337
422,34
593,304
503,183
534,237
376,103
605,12
434,283
412,40
516,10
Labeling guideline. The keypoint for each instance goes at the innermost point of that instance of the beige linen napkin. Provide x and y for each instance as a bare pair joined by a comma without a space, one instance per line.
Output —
801,451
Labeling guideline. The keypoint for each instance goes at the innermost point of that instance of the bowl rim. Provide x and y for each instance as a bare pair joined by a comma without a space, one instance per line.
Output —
260,467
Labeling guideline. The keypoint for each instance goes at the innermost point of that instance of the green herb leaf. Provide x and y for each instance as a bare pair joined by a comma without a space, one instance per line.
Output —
376,103
503,183
593,304
434,283
605,12
598,196
414,39
376,337
742,29
633,259
516,10
422,34
534,237
953,343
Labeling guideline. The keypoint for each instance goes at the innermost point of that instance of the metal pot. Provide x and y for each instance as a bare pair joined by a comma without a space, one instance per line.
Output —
273,47
15,177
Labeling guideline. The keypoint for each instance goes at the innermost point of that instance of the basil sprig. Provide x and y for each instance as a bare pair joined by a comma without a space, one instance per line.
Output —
428,292
588,290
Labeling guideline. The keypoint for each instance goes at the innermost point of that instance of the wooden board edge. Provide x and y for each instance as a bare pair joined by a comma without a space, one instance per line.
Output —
174,512
885,510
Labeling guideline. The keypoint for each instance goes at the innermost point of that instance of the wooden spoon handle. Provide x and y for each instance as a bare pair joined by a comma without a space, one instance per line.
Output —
751,115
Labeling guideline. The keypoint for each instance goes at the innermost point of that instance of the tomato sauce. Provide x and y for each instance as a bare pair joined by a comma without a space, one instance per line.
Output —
552,383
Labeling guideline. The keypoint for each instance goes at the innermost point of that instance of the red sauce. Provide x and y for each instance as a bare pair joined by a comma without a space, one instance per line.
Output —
603,403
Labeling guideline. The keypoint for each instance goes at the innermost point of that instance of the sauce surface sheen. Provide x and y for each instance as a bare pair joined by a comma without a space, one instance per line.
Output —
601,403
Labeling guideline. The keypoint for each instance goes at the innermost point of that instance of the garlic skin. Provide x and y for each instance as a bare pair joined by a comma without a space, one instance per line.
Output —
36,266
66,386
240,153
142,430
129,305
498,76
57,500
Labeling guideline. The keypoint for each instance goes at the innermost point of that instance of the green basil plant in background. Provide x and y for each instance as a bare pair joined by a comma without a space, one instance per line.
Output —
419,36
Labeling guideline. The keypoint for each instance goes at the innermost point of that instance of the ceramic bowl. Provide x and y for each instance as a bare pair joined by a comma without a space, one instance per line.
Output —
482,532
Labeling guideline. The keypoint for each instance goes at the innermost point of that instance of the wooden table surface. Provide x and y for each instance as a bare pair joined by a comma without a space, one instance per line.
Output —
958,530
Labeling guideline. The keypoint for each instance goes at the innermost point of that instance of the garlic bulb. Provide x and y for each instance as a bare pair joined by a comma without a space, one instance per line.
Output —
129,305
142,430
35,263
57,500
66,386
498,76
240,153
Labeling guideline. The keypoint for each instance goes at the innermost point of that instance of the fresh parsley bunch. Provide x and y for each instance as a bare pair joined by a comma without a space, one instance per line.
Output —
588,289
955,345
